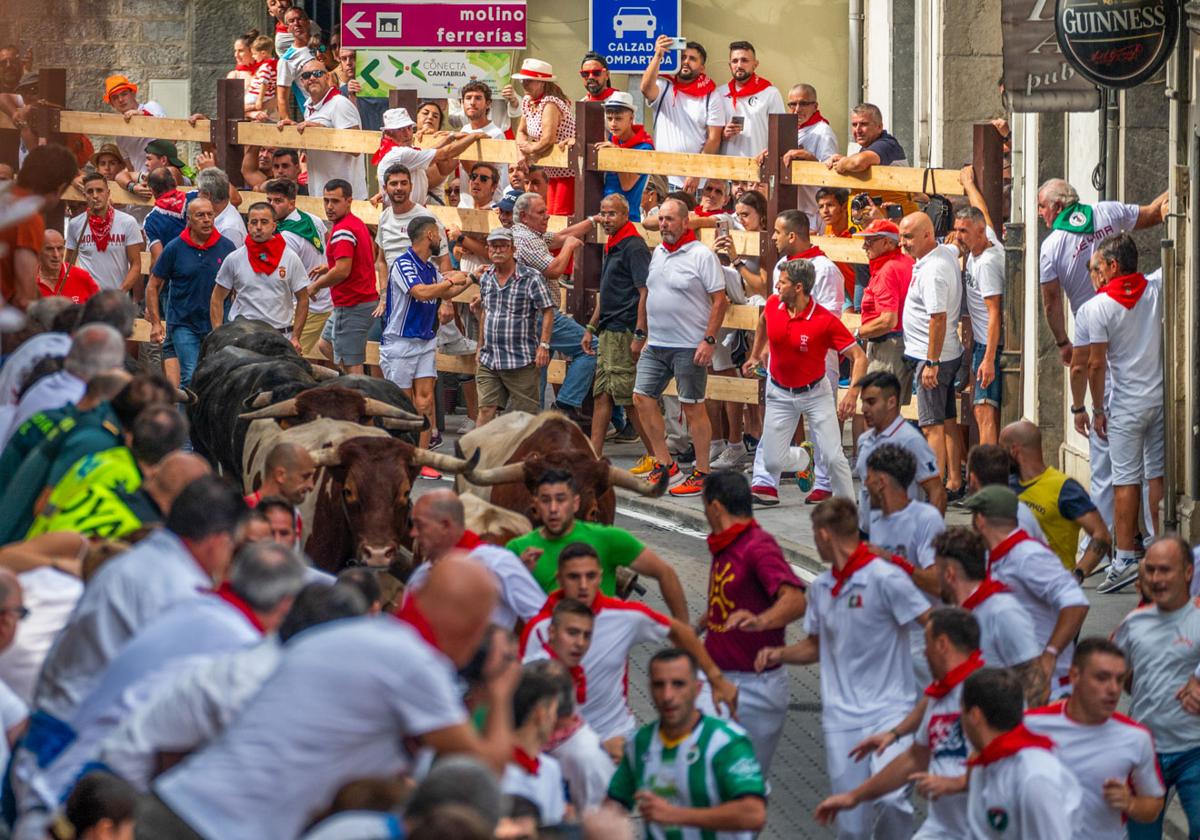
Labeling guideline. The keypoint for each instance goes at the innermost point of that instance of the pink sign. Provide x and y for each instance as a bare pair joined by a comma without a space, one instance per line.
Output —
414,24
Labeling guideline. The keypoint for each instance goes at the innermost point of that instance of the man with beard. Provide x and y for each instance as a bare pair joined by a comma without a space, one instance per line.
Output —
596,81
476,98
748,100
105,242
691,119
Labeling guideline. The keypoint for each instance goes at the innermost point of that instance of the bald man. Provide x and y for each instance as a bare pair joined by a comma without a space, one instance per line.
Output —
289,473
1059,503
931,343
342,705
57,279
439,529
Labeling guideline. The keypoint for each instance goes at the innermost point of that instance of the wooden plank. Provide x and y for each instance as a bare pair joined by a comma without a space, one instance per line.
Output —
678,163
501,151
456,364
741,317
315,139
893,178
120,195
152,128
468,295
841,249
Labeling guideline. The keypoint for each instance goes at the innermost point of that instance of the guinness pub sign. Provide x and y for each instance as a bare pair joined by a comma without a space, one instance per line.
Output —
1117,43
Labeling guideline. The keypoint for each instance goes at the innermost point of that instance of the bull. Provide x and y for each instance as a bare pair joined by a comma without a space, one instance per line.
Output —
515,449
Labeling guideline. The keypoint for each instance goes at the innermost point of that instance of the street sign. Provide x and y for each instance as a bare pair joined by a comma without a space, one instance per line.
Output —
433,75
416,24
624,31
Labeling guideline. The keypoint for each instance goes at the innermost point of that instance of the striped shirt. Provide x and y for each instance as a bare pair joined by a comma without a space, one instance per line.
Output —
512,326
713,765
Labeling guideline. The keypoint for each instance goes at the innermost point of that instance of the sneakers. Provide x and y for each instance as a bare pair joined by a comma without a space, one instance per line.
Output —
687,456
764,496
435,440
468,425
643,466
1121,573
628,434
817,496
429,473
731,457
805,479
690,486
655,474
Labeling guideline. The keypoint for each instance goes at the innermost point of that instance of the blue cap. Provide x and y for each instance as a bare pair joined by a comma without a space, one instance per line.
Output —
507,203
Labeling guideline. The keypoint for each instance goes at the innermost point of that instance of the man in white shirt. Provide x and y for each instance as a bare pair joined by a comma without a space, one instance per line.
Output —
532,773
857,629
424,165
1111,755
983,290
293,59
1047,591
476,98
104,241
1017,786
267,278
815,139
305,234
688,115
931,313
327,108
391,234
748,100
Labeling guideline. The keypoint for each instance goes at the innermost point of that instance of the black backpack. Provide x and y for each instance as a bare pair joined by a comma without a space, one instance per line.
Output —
939,209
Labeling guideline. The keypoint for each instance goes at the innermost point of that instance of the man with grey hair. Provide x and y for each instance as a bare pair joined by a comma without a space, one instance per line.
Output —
815,141
875,146
213,184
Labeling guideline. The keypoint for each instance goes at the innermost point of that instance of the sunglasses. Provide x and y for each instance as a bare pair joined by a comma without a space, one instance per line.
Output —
311,74
804,103
20,612
590,74
475,176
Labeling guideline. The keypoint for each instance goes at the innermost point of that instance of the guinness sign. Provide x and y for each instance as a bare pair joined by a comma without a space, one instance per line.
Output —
1117,43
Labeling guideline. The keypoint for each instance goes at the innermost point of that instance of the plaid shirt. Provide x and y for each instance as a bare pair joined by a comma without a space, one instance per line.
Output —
512,318
532,250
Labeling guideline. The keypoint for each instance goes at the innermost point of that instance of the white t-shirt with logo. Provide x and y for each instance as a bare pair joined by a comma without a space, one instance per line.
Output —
107,267
908,532
936,288
1134,339
756,109
1029,794
264,297
942,734
679,286
681,122
335,111
1064,255
1006,633
984,279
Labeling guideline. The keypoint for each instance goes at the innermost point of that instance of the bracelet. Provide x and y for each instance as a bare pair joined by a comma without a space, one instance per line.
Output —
1051,649
931,364
589,328
1064,342
1080,410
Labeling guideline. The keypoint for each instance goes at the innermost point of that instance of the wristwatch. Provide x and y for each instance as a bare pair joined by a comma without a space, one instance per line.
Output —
928,363
545,345
640,335
709,339
738,263
1080,410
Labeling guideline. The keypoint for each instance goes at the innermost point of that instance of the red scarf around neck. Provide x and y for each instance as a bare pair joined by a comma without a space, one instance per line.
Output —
265,256
172,202
385,146
755,84
719,542
811,254
186,236
1126,290
604,94
577,675
988,587
878,262
528,763
704,214
1009,744
639,136
858,559
250,68
101,228
626,231
689,235
940,688
225,593
468,541
411,615
813,120
1006,545
699,86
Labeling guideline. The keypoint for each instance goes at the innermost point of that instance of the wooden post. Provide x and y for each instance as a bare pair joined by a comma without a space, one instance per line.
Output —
782,194
987,158
406,99
52,90
589,189
223,124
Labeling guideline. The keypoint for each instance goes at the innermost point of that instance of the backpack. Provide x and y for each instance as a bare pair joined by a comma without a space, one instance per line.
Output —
939,209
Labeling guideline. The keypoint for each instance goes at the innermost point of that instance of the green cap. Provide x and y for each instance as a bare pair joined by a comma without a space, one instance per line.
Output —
166,149
994,500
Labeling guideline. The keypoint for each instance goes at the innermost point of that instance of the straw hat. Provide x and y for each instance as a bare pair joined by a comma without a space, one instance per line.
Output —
535,70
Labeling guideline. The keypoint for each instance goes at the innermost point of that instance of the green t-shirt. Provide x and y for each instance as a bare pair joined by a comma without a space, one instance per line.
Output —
615,547
712,765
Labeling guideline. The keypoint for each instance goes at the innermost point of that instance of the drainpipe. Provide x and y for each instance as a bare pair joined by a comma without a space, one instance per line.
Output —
1112,140
854,73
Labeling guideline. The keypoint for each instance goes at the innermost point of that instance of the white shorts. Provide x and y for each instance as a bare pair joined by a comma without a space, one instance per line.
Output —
1135,444
406,359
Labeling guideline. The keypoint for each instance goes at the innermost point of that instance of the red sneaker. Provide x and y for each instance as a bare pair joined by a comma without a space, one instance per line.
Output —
690,486
817,496
655,474
430,473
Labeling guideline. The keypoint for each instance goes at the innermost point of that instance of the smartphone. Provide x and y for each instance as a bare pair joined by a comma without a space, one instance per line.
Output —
722,227
895,212
679,43
738,120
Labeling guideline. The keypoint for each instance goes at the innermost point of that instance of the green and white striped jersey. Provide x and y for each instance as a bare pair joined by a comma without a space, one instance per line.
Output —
713,765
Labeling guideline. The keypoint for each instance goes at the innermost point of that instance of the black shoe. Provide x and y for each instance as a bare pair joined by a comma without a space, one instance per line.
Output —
628,434
955,497
750,442
687,456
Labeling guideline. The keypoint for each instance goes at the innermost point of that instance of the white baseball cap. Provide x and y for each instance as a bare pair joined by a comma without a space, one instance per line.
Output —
619,99
535,70
396,118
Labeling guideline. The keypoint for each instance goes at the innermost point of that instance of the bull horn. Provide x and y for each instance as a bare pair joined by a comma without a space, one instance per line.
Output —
326,456
444,463
185,395
378,408
261,400
321,373
287,408
505,474
402,425
618,477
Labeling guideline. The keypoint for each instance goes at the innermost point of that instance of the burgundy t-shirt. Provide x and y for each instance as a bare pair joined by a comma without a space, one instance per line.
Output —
746,575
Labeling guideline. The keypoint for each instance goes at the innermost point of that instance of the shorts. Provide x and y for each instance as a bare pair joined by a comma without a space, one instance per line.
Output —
983,396
405,359
314,328
937,405
658,365
347,331
1136,446
517,389
615,368
168,347
888,355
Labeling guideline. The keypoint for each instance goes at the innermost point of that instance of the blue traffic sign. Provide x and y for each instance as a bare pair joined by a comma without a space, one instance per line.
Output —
624,31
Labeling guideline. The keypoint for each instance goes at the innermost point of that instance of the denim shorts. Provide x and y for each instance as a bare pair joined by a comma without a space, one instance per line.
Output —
939,404
659,365
991,394
349,327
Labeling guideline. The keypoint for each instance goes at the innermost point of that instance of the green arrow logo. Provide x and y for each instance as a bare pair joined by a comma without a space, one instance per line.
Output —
365,73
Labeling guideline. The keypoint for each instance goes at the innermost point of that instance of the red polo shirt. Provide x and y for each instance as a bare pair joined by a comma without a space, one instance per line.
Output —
799,343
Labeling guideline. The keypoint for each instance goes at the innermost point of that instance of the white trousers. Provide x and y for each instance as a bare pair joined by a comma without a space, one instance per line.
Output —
889,817
762,709
820,471
1101,486
775,452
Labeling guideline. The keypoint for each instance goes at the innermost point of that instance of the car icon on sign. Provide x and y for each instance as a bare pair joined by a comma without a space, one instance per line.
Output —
635,18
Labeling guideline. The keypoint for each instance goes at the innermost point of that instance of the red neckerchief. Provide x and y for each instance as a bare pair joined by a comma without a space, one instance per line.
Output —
1010,743
860,557
225,593
639,136
626,231
689,235
250,68
312,107
265,256
1006,545
101,228
604,94
411,614
878,262
1126,289
704,214
172,202
577,675
811,254
469,541
755,84
186,236
280,27
719,542
385,146
940,688
988,587
528,763
699,86
813,120
564,730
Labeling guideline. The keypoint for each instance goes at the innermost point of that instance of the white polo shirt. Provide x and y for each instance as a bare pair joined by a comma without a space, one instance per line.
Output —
1120,748
543,786
620,625
520,596
756,109
311,258
681,122
340,706
941,733
678,289
900,433
107,267
417,161
1043,588
1029,794
984,278
936,288
1006,632
335,111
263,297
1134,339
866,666
1064,255
818,140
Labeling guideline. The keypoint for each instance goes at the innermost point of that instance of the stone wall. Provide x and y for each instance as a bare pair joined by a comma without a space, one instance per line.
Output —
970,70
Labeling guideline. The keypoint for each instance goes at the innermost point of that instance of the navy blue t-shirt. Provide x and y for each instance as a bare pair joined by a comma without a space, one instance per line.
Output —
161,226
190,275
889,150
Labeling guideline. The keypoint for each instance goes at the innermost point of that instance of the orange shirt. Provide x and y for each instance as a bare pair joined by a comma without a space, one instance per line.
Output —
28,236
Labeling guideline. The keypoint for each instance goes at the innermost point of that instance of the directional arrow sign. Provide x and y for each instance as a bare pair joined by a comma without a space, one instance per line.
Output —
358,25
429,24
